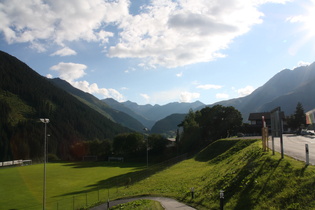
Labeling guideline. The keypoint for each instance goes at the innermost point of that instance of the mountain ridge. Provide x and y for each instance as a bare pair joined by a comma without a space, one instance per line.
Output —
26,97
100,106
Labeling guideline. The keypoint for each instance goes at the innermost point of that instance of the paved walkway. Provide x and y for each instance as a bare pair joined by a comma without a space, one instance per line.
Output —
167,203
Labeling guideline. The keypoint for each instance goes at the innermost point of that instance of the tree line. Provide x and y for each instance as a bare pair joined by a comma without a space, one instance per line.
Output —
207,125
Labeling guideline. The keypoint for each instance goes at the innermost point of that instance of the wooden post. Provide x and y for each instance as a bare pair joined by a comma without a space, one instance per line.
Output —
264,132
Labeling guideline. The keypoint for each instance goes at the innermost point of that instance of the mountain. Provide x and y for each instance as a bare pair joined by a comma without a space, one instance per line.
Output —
168,125
25,97
121,107
117,116
285,89
149,114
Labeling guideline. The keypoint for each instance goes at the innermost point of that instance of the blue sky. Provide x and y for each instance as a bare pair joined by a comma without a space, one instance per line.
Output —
160,51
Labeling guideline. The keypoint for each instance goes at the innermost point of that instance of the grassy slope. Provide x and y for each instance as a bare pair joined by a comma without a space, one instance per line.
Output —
20,109
250,178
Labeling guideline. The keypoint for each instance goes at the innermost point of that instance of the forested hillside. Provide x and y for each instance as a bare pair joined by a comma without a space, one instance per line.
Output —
168,125
25,97
100,106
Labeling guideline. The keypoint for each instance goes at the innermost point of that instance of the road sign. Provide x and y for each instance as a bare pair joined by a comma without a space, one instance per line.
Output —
276,126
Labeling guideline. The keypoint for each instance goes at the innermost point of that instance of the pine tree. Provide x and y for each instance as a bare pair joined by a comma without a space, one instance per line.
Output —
298,119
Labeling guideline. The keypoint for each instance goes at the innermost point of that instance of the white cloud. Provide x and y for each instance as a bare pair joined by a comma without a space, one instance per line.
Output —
94,89
209,86
188,96
49,76
177,94
166,33
64,52
179,74
222,96
145,96
178,33
40,22
130,69
73,71
69,71
303,63
245,91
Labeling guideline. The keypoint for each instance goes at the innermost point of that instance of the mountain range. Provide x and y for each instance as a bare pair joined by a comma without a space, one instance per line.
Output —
285,89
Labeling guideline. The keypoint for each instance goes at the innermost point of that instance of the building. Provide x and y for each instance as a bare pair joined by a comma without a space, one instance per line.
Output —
256,119
256,122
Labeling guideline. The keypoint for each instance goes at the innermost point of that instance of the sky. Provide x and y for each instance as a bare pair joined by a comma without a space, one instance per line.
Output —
160,51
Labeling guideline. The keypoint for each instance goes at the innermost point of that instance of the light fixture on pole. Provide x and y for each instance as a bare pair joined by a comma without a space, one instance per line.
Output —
45,121
145,130
48,135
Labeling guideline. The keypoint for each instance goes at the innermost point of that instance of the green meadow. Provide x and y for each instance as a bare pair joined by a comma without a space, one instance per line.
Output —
67,184
250,178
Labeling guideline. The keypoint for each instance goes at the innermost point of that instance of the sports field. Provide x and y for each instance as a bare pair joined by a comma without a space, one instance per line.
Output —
69,185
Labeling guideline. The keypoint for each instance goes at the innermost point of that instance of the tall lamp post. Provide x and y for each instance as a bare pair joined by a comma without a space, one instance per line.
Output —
45,121
146,130
47,152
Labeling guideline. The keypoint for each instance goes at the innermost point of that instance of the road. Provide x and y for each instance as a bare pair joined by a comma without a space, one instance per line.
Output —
294,146
167,203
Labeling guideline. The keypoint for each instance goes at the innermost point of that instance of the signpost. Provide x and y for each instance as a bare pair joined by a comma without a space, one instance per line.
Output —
276,128
221,199
307,154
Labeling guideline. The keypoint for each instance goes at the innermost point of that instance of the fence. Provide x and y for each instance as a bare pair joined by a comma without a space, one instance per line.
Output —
15,163
112,189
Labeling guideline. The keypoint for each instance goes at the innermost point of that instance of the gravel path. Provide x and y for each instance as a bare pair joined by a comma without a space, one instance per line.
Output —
167,203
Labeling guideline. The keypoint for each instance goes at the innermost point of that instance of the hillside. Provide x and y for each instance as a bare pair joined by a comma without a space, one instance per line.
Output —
99,105
25,97
249,177
285,89
168,125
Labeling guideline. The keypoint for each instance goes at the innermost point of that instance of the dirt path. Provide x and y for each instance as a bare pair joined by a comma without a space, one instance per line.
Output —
167,203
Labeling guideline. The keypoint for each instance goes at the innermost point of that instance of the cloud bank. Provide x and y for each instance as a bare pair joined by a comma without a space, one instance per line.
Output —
73,71
163,33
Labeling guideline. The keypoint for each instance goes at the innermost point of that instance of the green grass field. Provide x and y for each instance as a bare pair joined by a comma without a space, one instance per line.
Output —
251,179
22,187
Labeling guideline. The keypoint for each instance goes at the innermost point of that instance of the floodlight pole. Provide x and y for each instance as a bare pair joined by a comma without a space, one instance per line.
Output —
48,135
45,121
145,130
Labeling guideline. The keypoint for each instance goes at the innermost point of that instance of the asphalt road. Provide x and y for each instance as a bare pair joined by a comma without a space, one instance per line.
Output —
167,203
294,146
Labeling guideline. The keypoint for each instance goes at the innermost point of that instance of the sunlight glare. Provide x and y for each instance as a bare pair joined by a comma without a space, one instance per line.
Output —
307,27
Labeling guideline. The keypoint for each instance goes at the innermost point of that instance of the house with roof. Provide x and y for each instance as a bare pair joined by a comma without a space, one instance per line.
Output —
256,121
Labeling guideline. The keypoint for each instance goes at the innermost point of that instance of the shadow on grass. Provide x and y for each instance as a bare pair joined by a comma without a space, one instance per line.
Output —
125,180
277,173
217,151
103,164
246,200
